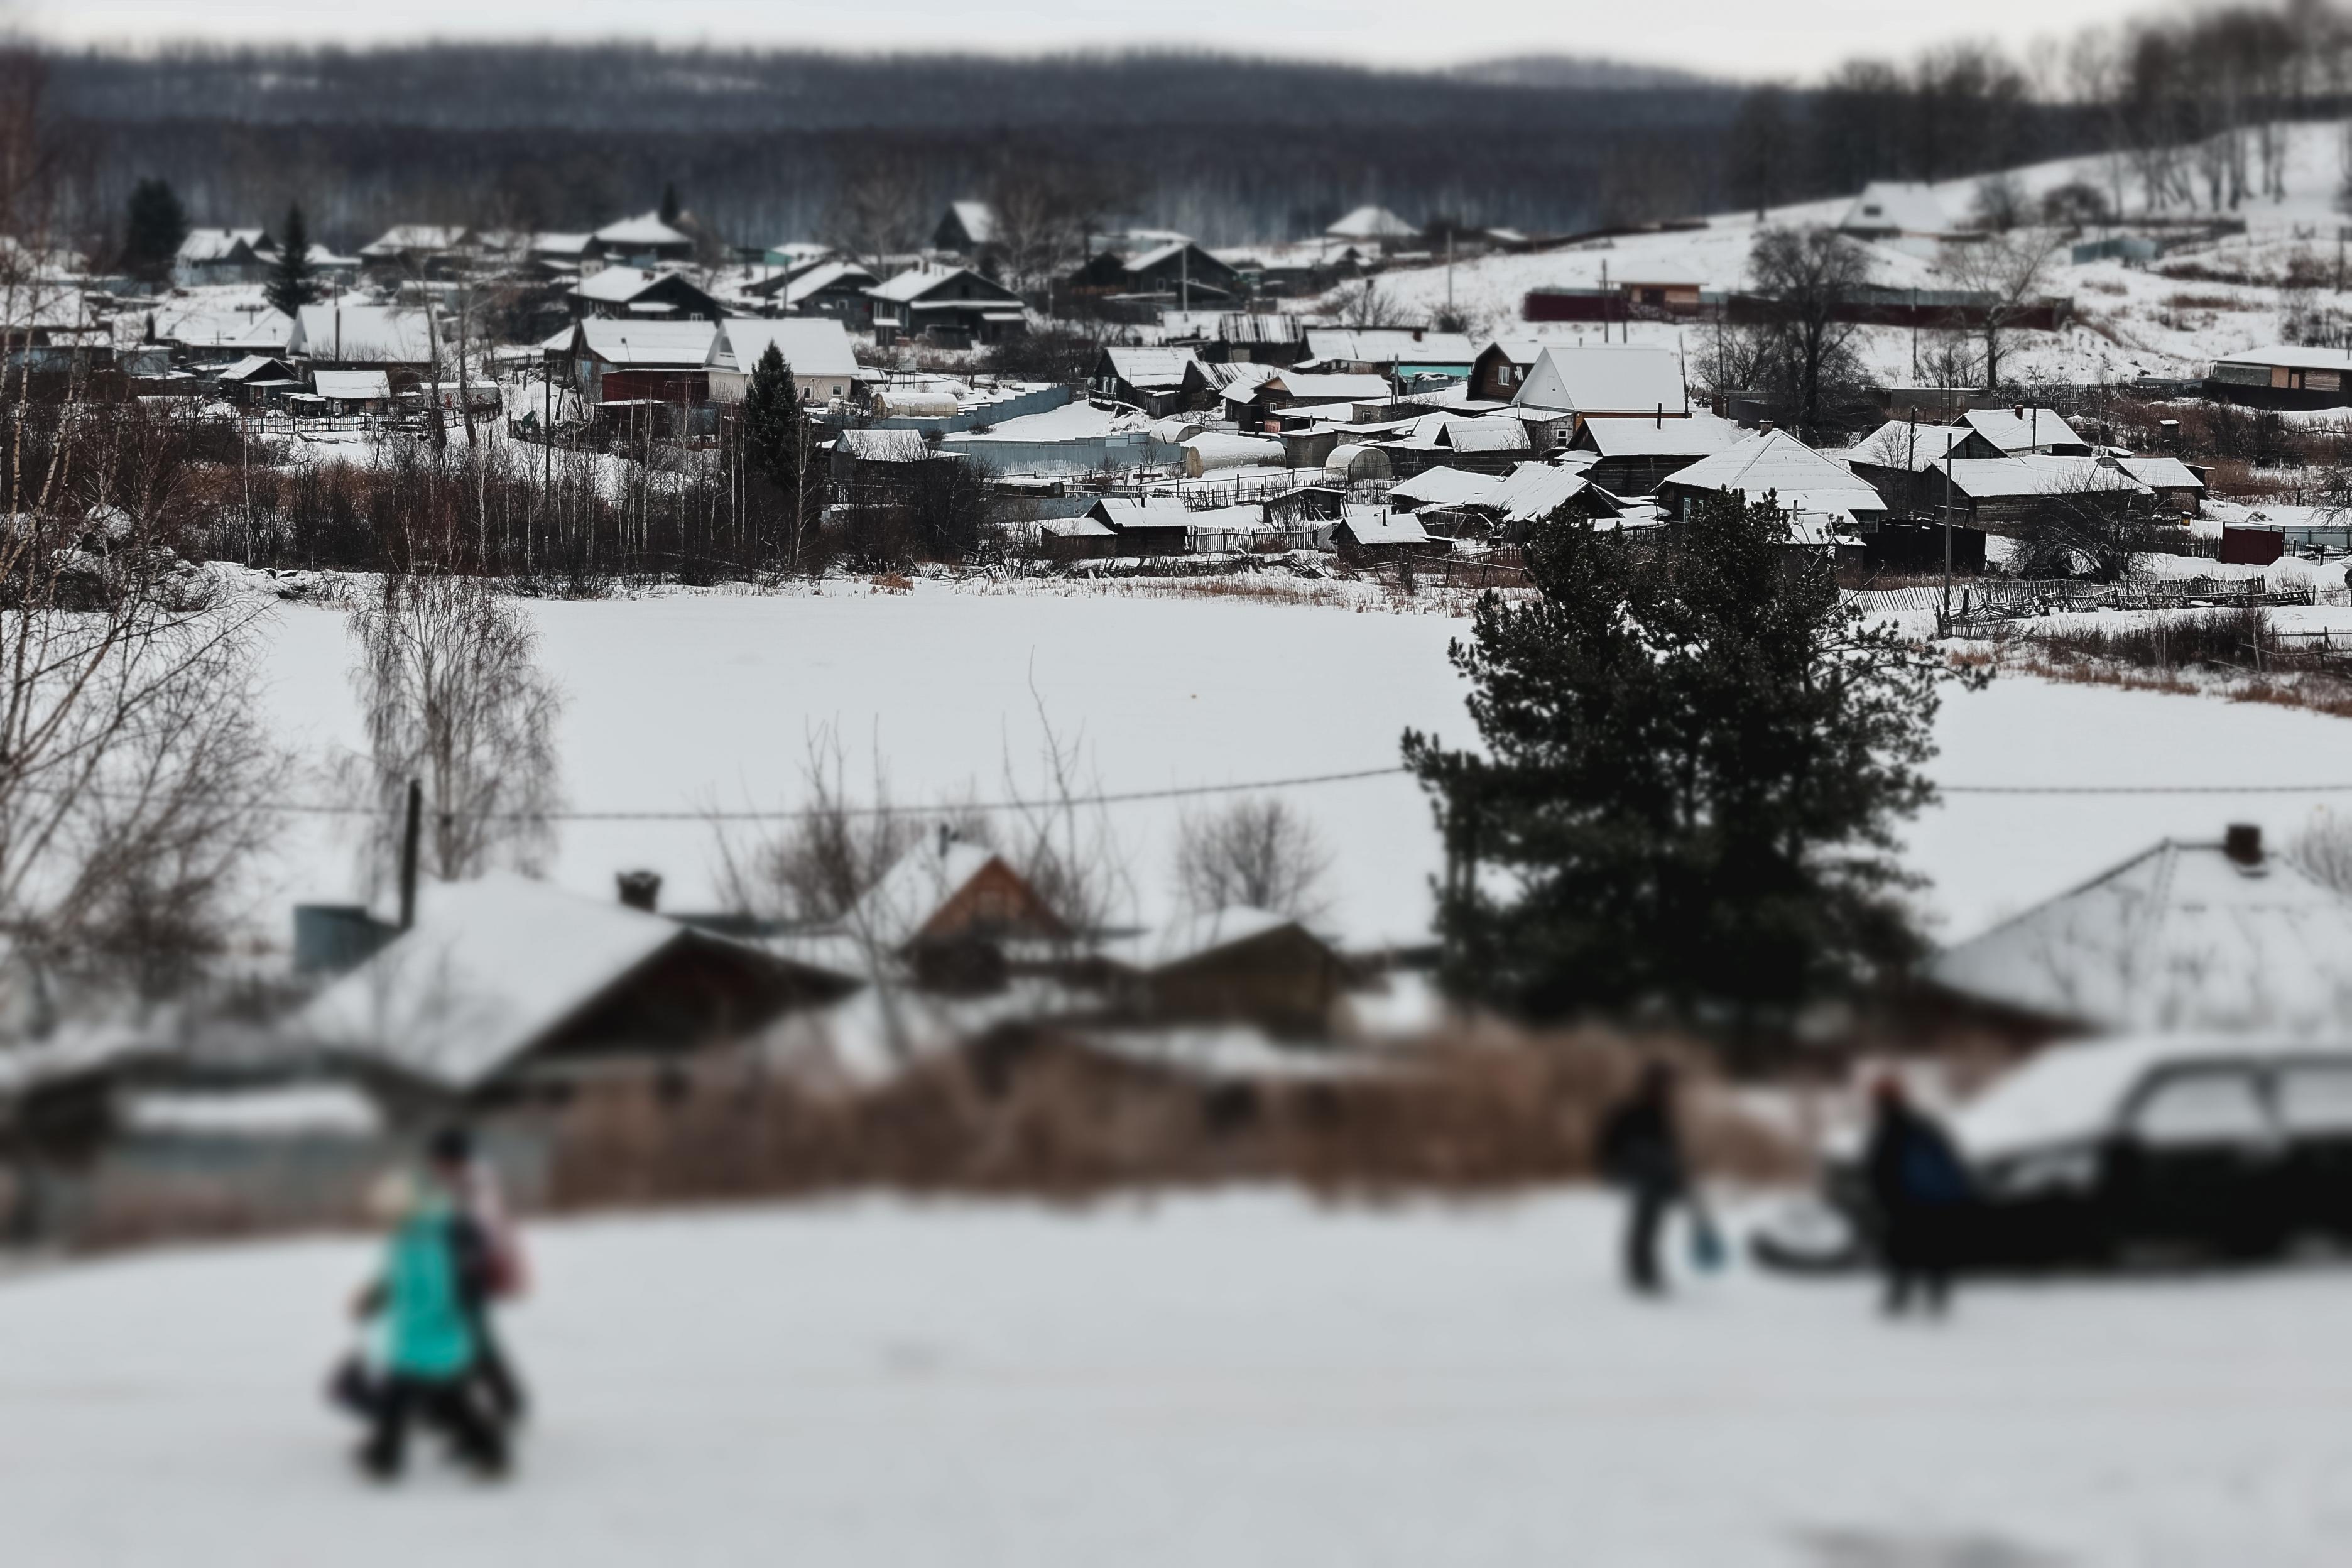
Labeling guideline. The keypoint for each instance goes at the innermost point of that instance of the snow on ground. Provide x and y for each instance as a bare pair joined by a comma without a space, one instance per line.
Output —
1241,1379
685,701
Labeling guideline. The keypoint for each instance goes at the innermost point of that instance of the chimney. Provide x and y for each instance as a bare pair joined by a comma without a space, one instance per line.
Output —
2243,844
639,890
2018,410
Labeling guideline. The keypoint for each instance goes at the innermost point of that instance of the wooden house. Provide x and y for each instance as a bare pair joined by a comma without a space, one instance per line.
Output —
1899,461
213,256
1153,380
1233,965
1152,525
617,361
1365,536
645,240
2180,490
1775,463
1995,493
632,293
1075,539
1632,457
955,307
1178,271
967,230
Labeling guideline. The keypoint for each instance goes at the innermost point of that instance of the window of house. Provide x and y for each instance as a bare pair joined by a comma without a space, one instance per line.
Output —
2213,1106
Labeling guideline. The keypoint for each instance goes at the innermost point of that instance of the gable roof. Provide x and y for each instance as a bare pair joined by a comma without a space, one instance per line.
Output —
645,229
913,284
1777,462
2033,474
217,324
2161,473
1162,368
1371,222
1123,512
2179,938
812,345
1322,387
1699,435
200,245
1379,525
825,275
1442,486
1900,443
978,219
682,345
619,285
1495,433
353,385
1612,379
1535,491
402,238
384,334
1388,345
903,907
2036,430
491,968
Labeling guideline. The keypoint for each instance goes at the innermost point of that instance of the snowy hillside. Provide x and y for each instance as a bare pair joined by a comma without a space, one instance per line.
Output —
1241,1379
2132,324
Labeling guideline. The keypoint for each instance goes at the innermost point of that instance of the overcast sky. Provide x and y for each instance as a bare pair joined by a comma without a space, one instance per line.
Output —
1792,38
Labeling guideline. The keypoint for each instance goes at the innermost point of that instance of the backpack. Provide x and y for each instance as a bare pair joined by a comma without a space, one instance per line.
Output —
1931,1172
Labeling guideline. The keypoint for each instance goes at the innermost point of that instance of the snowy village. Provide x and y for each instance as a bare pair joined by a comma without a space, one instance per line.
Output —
1007,795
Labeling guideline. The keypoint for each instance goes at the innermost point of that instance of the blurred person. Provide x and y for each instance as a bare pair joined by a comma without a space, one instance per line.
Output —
427,1347
1923,1191
486,1232
1641,1152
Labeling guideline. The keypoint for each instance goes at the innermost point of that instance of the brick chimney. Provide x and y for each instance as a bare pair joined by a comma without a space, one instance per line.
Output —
2243,844
639,890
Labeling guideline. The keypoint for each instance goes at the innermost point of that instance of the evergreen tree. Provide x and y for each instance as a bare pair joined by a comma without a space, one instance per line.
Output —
290,285
1695,758
779,446
157,226
669,207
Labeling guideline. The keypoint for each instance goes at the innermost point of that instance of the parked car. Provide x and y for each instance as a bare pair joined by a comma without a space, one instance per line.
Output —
2123,1151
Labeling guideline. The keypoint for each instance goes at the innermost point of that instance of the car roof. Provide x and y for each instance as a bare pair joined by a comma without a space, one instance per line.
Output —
2073,1092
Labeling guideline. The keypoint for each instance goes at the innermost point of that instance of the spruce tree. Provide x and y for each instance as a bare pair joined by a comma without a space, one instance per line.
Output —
777,448
157,226
1695,759
290,287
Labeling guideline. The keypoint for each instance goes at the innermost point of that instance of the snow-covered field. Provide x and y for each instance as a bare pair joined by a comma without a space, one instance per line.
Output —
1243,1379
682,701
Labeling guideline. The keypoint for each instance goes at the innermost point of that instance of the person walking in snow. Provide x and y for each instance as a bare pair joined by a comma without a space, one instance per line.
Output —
427,1348
1923,1192
1640,1151
486,1232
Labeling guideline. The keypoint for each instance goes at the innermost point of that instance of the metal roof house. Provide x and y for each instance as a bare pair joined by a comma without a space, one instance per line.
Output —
1592,382
816,349
1775,463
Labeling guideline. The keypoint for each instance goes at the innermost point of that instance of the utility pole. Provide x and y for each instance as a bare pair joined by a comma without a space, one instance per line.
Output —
408,854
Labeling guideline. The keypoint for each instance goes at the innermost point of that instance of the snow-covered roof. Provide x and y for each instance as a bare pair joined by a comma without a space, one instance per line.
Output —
1618,378
978,221
662,344
1377,525
2035,430
1388,345
917,281
645,229
249,366
1370,222
617,285
549,243
1150,367
1901,443
1495,433
379,334
2073,1093
1190,937
883,446
1775,461
823,276
812,345
2035,474
2293,356
1230,377
1699,435
489,967
1534,492
2161,473
351,385
2179,937
1442,486
1313,388
216,324
898,909
402,238
202,244
1076,528
1124,512
1901,206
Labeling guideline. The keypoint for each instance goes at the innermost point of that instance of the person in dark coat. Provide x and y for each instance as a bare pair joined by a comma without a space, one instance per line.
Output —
490,1264
1641,1152
1922,1189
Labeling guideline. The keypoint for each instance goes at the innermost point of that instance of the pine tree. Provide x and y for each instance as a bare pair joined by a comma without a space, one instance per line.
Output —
778,445
290,285
1694,761
157,226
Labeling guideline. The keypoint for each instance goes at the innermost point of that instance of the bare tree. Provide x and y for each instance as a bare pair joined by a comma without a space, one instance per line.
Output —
1364,307
1044,207
1257,852
879,207
2007,272
2323,850
449,684
1806,350
2000,203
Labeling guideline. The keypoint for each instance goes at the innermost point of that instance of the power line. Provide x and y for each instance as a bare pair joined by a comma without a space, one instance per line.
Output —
2146,789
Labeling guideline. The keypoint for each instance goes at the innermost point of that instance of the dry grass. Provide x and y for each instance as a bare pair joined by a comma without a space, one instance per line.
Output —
2313,692
2185,301
1034,1112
